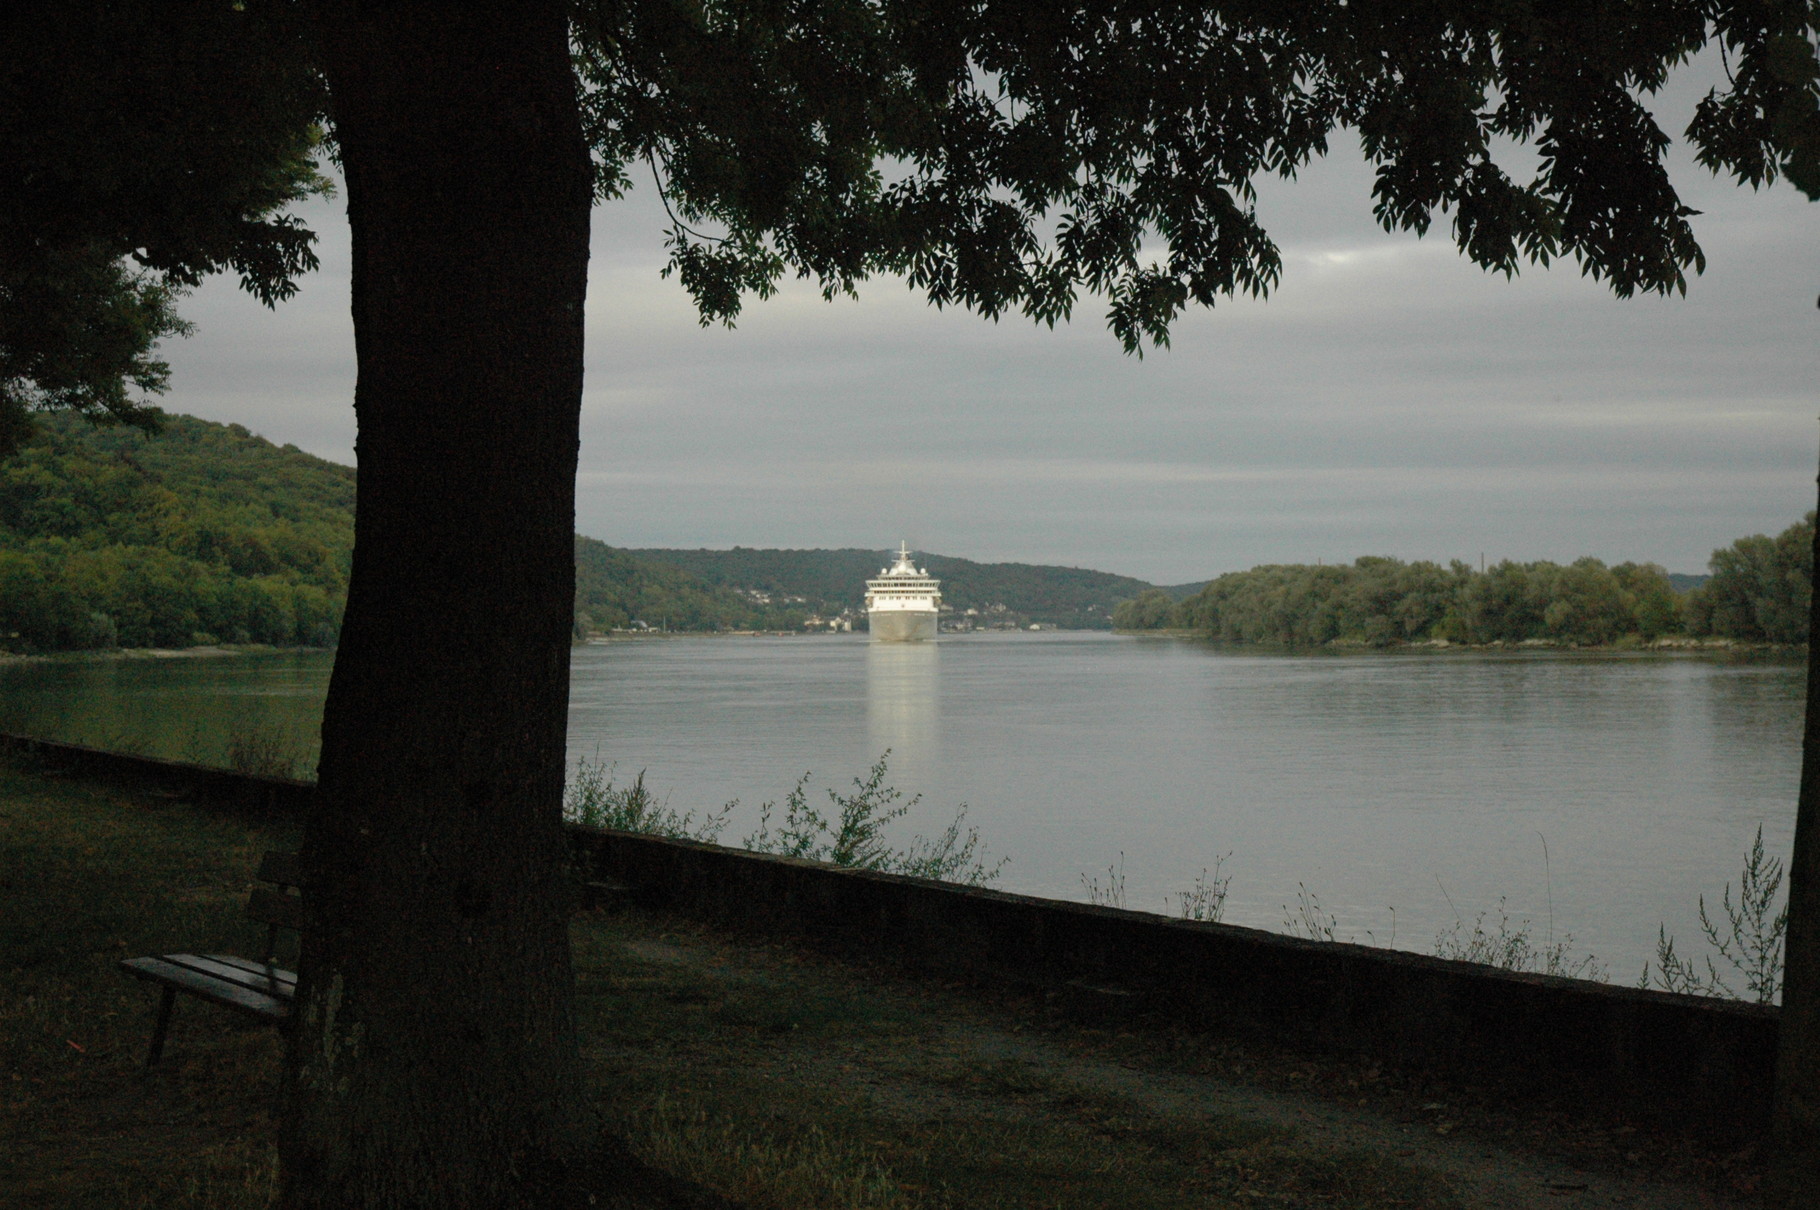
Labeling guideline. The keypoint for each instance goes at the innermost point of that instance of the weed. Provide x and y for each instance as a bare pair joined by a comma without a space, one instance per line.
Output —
263,750
1512,948
855,838
859,833
1206,899
1751,944
1111,895
801,832
592,800
950,856
1308,920
1392,942
1677,974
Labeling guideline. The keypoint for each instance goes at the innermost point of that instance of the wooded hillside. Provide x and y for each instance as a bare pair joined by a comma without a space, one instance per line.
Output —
828,581
614,589
205,533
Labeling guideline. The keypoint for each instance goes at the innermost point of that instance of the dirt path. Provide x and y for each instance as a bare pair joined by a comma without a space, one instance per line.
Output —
924,1058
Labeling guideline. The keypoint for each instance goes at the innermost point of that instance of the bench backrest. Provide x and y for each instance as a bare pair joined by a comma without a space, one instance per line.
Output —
277,906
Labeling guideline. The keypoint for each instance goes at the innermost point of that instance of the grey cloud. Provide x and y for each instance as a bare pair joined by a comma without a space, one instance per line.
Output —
1387,399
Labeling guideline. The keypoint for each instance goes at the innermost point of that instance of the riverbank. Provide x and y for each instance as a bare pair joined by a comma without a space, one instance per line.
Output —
775,1075
1630,643
149,653
1667,645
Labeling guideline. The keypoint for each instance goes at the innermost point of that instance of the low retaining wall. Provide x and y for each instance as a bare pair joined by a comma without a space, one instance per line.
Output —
1680,1059
174,778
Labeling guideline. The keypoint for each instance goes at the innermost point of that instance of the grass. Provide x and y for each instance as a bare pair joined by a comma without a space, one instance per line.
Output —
1206,899
88,876
1111,893
774,1077
263,749
783,1083
1308,919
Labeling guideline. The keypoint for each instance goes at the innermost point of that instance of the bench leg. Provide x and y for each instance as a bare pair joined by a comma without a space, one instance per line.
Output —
162,1027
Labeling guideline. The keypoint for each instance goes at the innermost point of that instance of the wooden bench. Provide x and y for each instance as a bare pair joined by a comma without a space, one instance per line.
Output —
256,988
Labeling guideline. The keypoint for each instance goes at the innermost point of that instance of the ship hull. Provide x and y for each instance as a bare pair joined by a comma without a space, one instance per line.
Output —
902,625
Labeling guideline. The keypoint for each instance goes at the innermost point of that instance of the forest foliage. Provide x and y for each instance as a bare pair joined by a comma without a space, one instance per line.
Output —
615,588
829,581
203,534
208,534
1758,591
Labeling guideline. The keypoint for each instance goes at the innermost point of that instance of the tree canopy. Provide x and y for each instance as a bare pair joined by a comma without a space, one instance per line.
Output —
1758,592
1006,155
1002,155
149,145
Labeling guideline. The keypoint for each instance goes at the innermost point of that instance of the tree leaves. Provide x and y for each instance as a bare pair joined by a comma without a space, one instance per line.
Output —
1010,154
149,145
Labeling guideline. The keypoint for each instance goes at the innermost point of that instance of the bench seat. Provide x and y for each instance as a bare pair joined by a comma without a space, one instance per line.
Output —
259,988
237,983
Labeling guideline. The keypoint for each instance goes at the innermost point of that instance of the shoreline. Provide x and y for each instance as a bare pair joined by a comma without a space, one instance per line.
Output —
1664,646
1682,644
150,653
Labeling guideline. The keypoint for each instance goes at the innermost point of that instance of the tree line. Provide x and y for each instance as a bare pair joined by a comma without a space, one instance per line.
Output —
1758,591
615,588
829,581
202,534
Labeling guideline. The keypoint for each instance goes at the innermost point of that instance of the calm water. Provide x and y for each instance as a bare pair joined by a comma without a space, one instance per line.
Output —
1426,783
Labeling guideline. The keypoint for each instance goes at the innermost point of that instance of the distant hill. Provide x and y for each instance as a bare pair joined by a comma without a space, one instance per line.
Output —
829,581
617,589
1681,581
203,534
207,533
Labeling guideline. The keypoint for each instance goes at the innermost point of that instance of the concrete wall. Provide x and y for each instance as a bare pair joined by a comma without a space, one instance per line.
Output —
178,779
1679,1059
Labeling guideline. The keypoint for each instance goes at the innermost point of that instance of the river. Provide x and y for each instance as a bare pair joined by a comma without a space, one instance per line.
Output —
1595,794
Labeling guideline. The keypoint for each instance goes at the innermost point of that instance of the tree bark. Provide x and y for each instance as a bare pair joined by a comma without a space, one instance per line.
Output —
1795,1164
434,1060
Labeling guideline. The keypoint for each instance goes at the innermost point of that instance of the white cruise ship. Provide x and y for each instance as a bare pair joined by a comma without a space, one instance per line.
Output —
902,602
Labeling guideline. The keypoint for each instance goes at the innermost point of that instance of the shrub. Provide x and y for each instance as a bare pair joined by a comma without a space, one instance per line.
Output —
855,836
1751,943
592,800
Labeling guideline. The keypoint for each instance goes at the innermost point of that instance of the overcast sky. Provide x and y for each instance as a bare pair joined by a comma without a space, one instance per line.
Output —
1389,398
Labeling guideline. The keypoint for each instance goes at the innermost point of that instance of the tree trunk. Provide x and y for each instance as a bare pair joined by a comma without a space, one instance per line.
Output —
1795,1166
434,1061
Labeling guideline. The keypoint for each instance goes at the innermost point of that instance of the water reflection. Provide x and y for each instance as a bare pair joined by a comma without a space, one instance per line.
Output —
1427,781
178,708
903,685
